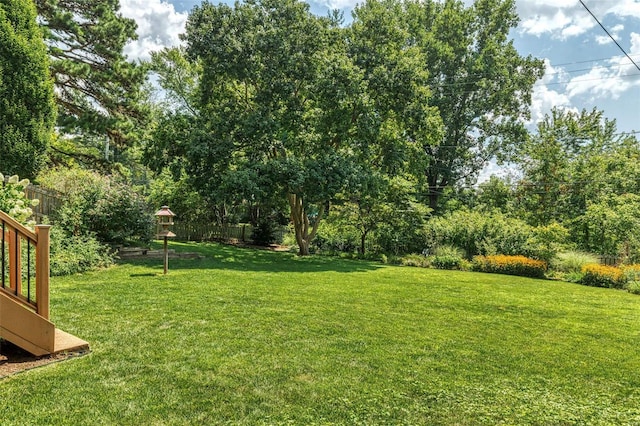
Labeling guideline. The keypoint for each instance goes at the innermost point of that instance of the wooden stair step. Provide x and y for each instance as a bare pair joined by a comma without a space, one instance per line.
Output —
66,342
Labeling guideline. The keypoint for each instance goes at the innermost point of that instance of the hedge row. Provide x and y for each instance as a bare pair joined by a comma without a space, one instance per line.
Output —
510,265
596,275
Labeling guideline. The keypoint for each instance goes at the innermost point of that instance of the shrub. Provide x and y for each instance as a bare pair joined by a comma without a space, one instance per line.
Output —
446,262
632,275
447,257
631,272
546,241
479,233
633,287
264,232
572,261
72,254
596,275
333,238
99,205
415,260
510,265
13,200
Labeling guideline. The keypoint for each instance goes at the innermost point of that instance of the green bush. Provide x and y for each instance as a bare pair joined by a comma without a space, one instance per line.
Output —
100,206
490,233
633,287
447,257
510,265
632,276
264,232
415,260
333,238
446,262
596,275
482,233
72,254
572,261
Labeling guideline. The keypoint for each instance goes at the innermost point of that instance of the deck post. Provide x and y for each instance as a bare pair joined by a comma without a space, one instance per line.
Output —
42,270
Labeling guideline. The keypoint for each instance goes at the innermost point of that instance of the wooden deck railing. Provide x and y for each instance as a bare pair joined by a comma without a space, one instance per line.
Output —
19,271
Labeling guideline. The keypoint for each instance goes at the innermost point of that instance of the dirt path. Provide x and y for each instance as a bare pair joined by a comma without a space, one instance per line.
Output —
14,360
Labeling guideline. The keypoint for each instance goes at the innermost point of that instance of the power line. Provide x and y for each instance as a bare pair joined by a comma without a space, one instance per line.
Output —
600,67
480,78
609,34
579,80
590,60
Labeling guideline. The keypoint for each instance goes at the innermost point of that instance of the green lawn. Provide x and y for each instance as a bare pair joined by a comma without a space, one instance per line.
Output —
255,337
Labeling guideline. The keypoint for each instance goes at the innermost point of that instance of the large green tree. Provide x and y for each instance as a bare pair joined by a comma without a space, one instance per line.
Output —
27,111
282,100
575,168
402,120
480,84
98,91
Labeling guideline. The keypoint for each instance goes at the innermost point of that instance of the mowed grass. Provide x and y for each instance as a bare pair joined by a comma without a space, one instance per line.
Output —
254,337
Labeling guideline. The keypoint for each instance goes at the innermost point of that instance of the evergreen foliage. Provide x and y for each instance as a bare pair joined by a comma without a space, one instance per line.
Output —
98,91
27,111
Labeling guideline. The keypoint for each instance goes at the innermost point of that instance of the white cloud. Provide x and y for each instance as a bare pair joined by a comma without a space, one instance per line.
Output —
624,8
611,80
614,31
159,26
543,98
635,44
563,19
617,28
337,4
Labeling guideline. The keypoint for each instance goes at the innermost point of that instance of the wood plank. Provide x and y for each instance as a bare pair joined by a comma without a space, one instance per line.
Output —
22,343
66,342
23,325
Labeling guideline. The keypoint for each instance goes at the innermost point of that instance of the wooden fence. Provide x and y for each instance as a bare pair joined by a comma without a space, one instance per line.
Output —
610,260
48,200
213,232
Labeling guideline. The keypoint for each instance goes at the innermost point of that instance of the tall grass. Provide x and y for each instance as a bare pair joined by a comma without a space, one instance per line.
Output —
572,261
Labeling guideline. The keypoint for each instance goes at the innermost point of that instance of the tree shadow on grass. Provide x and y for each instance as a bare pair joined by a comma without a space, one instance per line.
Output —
223,256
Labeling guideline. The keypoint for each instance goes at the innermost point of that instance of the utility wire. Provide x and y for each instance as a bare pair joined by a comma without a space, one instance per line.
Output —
590,60
609,34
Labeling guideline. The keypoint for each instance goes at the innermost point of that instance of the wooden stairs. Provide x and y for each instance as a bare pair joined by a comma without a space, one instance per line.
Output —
24,308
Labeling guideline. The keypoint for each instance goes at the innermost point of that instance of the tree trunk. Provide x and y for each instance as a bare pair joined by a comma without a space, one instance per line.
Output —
433,194
304,232
433,199
363,239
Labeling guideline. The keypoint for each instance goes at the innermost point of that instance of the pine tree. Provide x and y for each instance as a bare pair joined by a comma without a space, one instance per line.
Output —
99,92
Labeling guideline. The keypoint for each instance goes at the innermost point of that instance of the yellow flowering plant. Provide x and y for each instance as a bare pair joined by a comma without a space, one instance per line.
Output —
510,265
596,275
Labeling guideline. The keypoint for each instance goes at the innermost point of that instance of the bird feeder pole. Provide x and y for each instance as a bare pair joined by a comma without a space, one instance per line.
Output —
165,220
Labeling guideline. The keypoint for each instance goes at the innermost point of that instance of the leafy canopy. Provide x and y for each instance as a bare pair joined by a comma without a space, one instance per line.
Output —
281,98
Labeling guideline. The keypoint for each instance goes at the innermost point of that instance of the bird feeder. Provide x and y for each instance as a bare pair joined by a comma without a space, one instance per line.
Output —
164,218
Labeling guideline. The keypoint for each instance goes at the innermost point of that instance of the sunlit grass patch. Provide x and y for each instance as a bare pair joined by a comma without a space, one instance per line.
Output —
256,337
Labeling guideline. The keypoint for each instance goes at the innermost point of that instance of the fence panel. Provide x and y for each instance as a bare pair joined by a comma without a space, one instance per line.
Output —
610,260
49,200
213,232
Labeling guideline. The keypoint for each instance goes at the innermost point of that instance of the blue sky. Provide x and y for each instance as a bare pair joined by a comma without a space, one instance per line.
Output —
585,69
